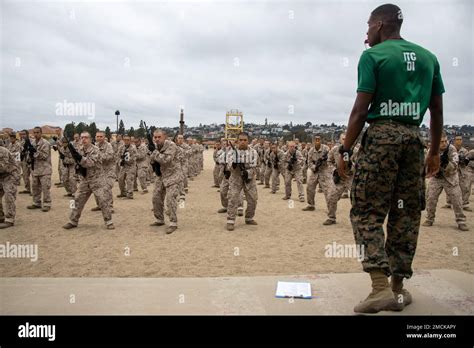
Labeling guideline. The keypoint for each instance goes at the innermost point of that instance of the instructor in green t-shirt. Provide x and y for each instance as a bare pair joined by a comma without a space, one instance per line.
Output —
397,81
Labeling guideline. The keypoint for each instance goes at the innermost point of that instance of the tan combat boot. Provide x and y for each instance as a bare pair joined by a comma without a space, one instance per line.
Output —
402,296
381,298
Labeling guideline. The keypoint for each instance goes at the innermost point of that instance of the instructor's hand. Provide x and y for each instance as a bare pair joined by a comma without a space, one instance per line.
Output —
341,167
432,164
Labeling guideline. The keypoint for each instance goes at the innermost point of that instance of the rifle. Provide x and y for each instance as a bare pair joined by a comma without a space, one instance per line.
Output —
77,157
28,147
292,161
277,159
124,156
320,161
151,147
443,161
335,177
243,172
463,160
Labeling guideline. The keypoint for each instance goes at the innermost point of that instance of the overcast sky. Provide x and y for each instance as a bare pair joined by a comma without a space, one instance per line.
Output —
267,58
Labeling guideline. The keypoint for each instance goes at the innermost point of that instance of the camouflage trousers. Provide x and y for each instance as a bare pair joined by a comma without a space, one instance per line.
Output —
305,173
8,189
126,180
224,193
323,177
140,177
41,185
464,185
170,194
453,192
389,179
275,179
215,174
85,189
109,183
236,187
336,194
267,175
261,172
298,176
26,173
69,178
60,170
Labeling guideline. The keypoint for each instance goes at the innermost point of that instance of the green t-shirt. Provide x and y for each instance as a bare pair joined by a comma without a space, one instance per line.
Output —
403,77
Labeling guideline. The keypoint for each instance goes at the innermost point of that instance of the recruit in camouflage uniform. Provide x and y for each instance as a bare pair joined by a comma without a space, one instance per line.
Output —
341,185
267,164
127,157
224,185
217,167
92,181
242,163
116,145
9,180
107,159
277,160
40,159
464,178
25,167
447,179
69,168
142,164
304,152
320,173
470,169
167,184
293,164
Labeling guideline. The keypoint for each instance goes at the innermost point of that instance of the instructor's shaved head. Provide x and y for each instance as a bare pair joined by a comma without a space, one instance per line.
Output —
384,22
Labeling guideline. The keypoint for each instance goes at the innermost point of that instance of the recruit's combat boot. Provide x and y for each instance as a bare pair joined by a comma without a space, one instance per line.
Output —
381,298
463,227
230,227
467,208
251,222
222,210
96,209
402,296
240,211
171,229
447,206
6,225
110,227
329,222
309,208
427,223
345,195
46,209
69,225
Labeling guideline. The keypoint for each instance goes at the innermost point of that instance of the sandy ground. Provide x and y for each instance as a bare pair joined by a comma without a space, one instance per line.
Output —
286,241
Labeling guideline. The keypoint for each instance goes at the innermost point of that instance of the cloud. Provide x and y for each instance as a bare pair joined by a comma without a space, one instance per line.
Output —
264,57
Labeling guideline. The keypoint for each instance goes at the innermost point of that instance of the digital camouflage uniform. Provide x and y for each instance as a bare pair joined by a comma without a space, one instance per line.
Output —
464,177
142,165
247,159
448,179
69,169
127,160
94,182
295,173
277,161
321,175
268,167
25,168
344,183
9,180
166,185
107,159
41,173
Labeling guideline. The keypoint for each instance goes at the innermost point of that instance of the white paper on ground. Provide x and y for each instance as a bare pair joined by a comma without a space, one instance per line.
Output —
292,289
